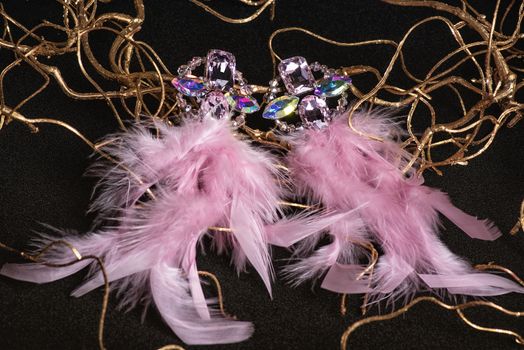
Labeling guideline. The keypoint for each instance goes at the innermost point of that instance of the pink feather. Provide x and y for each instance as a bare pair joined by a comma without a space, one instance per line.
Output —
203,175
353,174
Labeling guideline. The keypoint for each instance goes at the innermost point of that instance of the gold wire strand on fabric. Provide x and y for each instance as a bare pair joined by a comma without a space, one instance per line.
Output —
520,223
368,271
220,295
37,258
262,4
457,308
171,347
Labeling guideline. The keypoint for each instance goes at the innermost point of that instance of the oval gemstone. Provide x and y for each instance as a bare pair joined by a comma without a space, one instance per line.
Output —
188,87
281,107
215,106
331,87
243,104
313,111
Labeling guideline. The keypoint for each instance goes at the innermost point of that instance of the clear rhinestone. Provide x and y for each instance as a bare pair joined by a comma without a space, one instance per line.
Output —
183,70
296,75
315,66
246,90
220,69
215,105
313,111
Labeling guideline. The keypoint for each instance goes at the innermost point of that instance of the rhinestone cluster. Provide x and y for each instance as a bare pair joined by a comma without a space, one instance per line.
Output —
221,92
305,94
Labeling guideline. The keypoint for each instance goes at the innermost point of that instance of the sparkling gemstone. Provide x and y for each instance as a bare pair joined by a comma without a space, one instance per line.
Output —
330,87
188,87
220,69
243,104
313,111
215,105
296,75
342,77
281,107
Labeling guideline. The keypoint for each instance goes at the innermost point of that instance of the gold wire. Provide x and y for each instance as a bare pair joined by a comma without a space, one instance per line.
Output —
373,259
37,259
457,308
263,5
520,222
501,92
498,84
218,287
460,307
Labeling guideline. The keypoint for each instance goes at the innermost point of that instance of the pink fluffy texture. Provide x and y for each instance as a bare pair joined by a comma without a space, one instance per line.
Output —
356,175
203,175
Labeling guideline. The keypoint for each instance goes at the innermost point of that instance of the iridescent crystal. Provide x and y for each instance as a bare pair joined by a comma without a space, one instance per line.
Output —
313,111
296,75
243,104
281,107
330,87
188,87
215,106
343,78
220,69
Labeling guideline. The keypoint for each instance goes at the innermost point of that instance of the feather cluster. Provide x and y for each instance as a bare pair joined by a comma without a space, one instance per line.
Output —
360,179
203,175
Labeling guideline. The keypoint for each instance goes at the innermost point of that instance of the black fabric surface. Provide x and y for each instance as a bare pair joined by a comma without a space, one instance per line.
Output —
41,182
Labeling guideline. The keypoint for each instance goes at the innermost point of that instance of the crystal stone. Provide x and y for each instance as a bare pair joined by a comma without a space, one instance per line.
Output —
296,75
243,104
281,107
188,87
215,105
220,69
313,111
343,78
332,86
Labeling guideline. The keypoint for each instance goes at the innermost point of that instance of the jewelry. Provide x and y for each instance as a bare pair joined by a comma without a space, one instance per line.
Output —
360,181
172,187
305,94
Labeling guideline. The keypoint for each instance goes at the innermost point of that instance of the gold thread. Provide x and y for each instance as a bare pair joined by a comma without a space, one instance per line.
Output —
263,5
37,259
406,308
220,295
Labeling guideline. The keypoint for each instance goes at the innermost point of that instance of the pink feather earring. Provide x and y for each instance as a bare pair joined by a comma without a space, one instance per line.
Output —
202,174
360,181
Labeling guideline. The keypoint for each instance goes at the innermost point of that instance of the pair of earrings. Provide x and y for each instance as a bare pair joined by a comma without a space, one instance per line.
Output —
171,187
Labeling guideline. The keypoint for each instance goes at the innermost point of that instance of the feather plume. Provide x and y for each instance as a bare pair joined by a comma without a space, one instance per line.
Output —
203,175
351,173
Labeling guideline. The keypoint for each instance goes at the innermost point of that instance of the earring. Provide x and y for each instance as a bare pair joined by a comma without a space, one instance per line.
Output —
170,186
360,179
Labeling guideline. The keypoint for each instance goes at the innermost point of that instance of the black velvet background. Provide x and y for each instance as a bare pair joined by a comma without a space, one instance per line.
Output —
41,181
